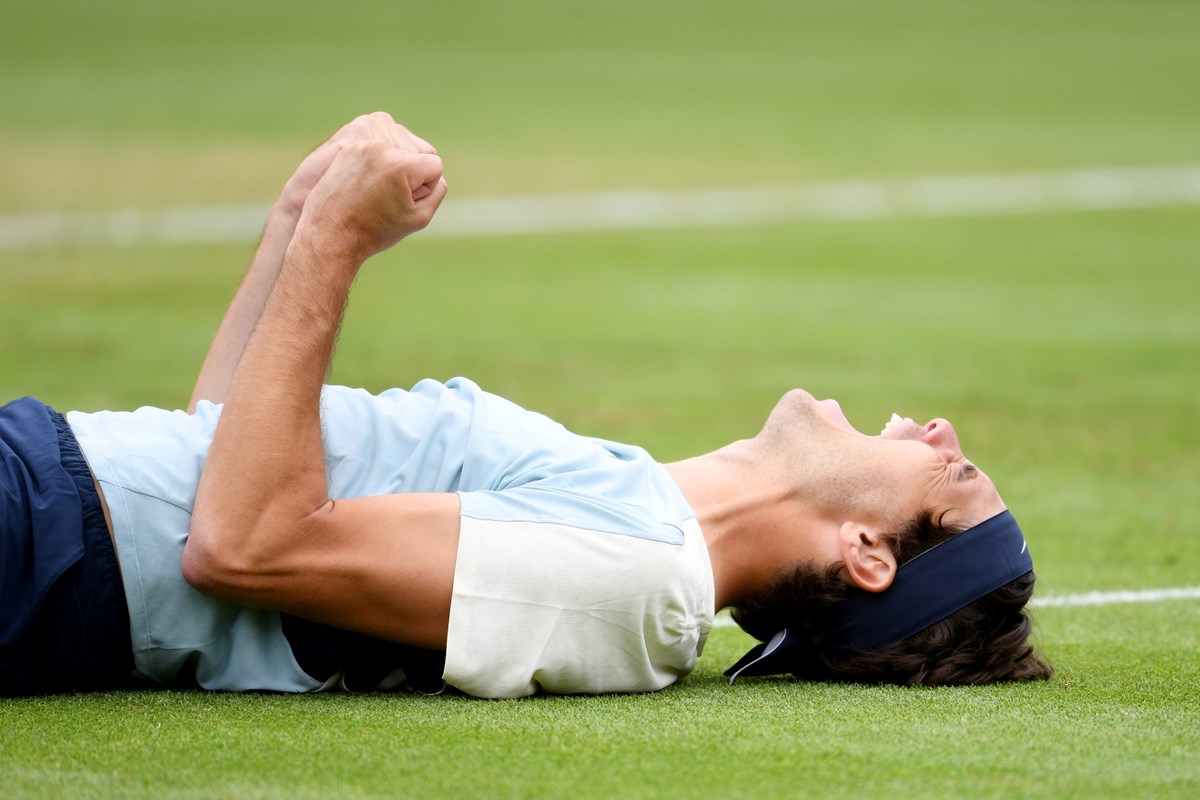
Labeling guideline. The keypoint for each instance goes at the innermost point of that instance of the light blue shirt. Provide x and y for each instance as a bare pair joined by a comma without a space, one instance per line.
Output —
506,463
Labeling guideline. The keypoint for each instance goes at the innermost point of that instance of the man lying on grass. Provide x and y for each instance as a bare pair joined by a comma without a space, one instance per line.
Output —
282,535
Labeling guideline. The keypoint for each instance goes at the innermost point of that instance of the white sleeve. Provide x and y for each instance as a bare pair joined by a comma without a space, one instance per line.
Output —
539,606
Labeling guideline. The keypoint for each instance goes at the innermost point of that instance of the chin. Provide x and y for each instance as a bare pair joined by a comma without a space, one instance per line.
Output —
796,403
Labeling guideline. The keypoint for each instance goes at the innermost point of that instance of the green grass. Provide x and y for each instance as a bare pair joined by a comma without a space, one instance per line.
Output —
1064,347
1091,731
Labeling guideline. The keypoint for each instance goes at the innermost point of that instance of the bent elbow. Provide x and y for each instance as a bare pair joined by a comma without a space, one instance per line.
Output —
201,569
249,569
248,562
217,570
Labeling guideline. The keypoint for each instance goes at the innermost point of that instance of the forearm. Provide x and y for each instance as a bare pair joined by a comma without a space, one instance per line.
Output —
247,306
266,463
264,532
263,487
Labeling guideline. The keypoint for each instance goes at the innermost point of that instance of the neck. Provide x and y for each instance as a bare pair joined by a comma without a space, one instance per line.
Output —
753,522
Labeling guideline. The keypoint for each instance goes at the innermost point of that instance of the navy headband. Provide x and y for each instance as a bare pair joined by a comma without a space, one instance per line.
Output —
927,589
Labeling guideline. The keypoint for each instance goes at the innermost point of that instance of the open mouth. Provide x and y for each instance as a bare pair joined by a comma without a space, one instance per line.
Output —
899,427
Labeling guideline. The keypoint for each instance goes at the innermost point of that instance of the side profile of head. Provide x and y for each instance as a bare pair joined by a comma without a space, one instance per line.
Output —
930,574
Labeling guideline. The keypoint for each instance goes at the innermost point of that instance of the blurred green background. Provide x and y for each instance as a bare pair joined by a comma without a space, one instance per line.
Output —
138,102
1064,346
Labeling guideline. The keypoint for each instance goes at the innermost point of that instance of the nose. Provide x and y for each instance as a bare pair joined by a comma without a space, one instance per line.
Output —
940,435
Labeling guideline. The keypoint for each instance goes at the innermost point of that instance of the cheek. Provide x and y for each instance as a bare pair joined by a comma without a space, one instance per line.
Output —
915,483
891,493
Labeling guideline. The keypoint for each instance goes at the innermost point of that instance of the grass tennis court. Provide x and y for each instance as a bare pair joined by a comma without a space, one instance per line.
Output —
1063,346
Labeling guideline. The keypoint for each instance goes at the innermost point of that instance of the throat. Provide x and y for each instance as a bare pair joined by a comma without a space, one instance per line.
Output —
726,489
753,526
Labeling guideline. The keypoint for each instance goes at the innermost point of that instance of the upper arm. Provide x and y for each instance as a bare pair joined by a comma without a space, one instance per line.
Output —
383,566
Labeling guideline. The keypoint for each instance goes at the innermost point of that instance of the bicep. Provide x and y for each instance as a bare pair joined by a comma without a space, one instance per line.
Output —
383,566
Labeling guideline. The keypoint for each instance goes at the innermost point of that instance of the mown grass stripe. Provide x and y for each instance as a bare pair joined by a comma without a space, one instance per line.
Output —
1118,597
930,196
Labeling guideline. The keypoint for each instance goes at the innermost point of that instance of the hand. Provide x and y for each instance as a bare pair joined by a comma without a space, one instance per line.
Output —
372,195
379,125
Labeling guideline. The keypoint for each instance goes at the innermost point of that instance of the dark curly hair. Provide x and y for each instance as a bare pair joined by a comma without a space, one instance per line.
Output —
984,642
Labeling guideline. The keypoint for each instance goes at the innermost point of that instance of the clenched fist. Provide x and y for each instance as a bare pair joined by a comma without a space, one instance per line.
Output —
379,125
374,192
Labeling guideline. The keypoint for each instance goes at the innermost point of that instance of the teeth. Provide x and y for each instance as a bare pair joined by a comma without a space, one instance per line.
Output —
892,423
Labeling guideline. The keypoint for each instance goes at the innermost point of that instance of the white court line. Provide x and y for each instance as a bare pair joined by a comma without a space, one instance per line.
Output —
1114,598
641,209
1084,599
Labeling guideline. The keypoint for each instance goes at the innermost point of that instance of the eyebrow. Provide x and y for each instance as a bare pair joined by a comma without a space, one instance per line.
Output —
966,472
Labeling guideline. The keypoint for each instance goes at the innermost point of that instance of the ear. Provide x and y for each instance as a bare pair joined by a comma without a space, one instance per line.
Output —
869,560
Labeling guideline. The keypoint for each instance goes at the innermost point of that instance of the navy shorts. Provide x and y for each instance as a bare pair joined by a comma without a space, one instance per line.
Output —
365,664
64,624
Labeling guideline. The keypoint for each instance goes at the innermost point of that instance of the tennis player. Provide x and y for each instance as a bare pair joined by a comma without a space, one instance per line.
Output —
285,535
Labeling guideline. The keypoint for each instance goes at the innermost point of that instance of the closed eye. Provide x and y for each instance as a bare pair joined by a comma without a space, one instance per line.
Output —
966,472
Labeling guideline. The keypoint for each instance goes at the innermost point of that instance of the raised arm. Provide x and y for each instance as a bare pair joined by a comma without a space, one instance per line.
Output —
251,297
264,531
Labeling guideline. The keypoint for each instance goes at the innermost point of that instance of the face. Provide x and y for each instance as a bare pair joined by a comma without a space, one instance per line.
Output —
908,467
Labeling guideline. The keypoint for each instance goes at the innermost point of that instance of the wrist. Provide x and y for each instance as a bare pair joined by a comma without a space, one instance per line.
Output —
284,214
291,200
277,233
329,253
